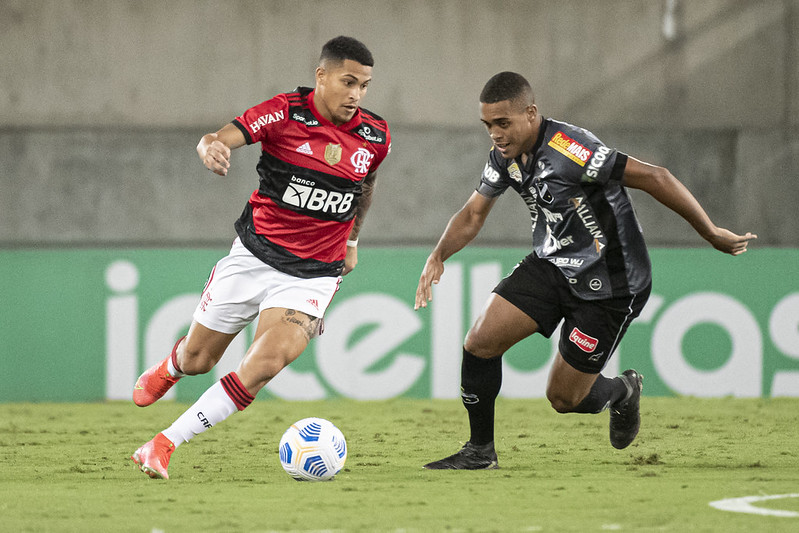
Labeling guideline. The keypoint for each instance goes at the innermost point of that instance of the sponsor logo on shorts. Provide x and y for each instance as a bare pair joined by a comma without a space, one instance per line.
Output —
314,303
596,357
206,300
570,148
585,342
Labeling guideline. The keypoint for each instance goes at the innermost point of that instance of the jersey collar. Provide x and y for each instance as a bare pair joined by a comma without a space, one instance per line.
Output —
538,142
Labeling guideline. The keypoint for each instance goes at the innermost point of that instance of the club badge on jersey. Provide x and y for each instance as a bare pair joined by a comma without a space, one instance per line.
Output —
333,153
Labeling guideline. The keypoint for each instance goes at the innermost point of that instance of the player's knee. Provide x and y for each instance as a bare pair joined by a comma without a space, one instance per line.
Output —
561,403
195,361
478,346
281,350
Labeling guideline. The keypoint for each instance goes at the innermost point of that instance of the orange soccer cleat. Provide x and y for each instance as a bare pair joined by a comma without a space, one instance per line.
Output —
153,457
153,384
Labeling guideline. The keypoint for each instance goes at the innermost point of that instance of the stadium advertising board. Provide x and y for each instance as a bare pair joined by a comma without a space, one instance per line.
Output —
80,325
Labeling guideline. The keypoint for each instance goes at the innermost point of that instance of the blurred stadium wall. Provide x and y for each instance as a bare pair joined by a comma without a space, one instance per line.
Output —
102,104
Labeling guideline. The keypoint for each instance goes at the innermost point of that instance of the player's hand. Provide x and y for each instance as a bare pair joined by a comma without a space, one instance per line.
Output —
217,156
433,269
728,242
350,260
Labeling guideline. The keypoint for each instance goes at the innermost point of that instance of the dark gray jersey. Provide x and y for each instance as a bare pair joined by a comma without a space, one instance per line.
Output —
583,220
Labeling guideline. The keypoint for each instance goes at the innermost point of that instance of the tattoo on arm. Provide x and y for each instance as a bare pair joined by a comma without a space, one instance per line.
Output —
367,189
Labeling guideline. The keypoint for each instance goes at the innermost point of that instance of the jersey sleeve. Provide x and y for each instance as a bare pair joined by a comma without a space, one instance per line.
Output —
258,122
382,151
604,164
495,179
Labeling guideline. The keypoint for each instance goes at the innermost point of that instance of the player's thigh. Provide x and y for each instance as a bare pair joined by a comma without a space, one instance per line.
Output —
592,330
280,337
500,325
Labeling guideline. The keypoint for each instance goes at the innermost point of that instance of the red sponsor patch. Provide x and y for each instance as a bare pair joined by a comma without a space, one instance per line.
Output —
585,342
570,148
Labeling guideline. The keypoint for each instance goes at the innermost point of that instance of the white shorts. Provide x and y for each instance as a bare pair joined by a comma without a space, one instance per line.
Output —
241,286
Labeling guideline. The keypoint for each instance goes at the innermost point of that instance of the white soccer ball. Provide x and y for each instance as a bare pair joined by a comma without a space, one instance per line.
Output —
313,449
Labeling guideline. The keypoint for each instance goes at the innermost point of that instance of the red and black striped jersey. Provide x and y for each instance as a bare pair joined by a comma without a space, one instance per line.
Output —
311,174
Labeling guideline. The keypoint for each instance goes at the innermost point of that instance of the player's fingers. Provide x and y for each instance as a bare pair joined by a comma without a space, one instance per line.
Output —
221,148
423,292
421,298
220,159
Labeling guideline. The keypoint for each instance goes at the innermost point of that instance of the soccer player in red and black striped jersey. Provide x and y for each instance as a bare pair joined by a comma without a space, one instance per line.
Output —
589,267
297,235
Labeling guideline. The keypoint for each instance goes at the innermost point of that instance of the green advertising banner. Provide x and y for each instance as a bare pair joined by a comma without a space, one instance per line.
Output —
80,325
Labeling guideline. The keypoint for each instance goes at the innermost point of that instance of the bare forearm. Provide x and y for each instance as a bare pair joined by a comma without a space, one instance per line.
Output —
666,189
669,191
364,203
462,228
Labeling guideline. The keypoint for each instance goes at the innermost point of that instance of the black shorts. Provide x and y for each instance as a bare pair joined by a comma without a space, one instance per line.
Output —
592,329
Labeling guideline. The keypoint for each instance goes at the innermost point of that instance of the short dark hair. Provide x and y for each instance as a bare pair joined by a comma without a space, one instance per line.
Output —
507,86
342,47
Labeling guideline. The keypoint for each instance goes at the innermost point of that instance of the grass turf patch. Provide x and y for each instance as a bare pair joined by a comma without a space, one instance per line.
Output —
66,467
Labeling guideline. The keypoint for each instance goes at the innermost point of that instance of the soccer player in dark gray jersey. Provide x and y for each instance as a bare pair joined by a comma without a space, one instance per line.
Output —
589,268
583,221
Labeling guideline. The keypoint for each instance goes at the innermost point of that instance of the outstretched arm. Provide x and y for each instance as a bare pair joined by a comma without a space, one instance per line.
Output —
368,189
462,228
214,148
666,189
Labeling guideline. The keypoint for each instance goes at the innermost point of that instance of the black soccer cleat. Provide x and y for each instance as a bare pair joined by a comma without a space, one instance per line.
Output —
625,416
470,457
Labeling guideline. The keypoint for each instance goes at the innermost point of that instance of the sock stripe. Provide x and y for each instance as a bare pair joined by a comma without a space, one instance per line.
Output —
237,392
174,354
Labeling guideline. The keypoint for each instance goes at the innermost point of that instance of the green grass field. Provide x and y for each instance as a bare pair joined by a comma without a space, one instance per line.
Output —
66,467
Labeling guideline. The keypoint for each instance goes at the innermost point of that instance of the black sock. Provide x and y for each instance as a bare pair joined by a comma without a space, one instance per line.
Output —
480,383
604,393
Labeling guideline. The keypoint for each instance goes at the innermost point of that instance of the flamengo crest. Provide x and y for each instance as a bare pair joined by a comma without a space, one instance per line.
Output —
360,160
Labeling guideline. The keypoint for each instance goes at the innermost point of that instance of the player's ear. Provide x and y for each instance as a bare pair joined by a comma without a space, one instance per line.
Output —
319,75
532,112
